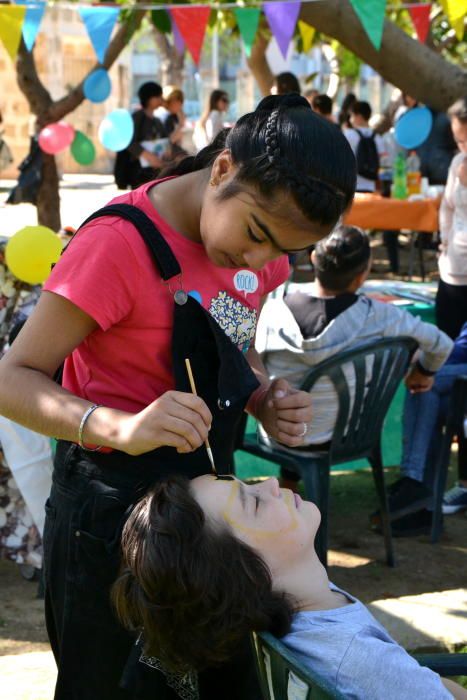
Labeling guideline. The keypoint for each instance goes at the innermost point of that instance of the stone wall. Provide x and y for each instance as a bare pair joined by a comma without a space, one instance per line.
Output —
64,55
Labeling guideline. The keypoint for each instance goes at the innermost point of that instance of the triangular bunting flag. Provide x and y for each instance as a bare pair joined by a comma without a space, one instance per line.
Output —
421,20
178,39
282,18
247,20
192,22
371,15
99,22
34,12
11,24
307,33
456,11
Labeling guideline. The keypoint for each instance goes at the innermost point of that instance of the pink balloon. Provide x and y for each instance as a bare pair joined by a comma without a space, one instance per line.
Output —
55,137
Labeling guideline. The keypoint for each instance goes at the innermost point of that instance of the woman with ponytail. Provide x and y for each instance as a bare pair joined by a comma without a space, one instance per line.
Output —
175,269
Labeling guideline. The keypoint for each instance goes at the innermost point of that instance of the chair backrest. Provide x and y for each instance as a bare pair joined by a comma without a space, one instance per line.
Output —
283,677
362,409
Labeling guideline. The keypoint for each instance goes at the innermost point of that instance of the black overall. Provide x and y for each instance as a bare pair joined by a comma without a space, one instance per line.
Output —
92,494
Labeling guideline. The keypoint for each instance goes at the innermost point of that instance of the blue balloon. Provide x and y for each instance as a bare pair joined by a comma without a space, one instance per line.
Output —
116,130
414,127
97,86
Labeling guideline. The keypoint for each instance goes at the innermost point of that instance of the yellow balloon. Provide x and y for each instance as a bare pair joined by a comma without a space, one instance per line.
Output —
31,252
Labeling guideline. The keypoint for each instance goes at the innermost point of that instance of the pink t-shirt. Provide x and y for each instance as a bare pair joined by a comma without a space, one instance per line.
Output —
108,272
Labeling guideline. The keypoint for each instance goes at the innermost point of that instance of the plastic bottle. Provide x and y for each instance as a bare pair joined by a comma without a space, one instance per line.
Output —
399,190
414,176
385,174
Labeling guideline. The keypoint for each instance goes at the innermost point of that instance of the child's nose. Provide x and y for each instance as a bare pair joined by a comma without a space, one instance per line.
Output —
272,486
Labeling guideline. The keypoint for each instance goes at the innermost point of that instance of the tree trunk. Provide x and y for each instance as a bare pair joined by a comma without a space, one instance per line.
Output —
259,66
402,61
172,63
47,111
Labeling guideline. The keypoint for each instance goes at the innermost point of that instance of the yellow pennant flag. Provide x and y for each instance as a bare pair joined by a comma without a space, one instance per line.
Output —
307,33
456,11
11,26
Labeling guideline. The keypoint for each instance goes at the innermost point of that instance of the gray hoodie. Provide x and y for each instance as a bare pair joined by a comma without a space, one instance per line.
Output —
286,353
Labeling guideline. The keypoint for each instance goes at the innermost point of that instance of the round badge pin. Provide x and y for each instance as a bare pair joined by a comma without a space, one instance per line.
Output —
180,297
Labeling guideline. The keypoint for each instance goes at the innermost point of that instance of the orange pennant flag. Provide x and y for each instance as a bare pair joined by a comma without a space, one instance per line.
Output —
11,27
191,23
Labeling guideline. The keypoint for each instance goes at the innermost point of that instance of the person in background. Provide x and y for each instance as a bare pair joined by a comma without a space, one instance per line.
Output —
322,105
180,546
172,116
284,83
310,94
408,102
212,119
343,118
360,113
147,128
410,498
451,299
297,332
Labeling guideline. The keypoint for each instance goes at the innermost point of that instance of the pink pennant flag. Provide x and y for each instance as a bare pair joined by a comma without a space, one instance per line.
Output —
192,22
421,20
282,18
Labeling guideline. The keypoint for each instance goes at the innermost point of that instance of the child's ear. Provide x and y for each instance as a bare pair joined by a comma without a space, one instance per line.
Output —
313,257
222,167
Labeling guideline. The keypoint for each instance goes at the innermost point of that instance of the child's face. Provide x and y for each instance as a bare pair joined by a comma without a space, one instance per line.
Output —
239,233
278,524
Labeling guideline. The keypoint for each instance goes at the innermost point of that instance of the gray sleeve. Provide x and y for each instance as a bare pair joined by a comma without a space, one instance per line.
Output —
375,668
434,345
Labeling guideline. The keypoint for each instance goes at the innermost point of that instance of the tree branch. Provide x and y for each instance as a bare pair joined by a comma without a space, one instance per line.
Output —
398,53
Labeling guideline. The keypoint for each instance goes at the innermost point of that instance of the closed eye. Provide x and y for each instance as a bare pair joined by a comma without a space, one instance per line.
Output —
254,238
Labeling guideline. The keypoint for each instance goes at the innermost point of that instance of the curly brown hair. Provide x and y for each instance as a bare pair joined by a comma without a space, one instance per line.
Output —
192,588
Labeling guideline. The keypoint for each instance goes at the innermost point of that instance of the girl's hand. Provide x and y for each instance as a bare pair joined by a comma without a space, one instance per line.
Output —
175,419
285,413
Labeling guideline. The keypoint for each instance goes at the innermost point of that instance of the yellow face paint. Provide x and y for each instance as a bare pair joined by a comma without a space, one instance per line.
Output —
257,532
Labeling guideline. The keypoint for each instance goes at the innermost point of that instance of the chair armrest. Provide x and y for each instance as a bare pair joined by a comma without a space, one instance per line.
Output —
444,664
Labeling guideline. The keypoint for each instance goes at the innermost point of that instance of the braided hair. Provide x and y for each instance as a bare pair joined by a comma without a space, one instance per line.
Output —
284,148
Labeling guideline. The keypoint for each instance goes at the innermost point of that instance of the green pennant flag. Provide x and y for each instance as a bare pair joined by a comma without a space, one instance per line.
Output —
161,21
371,15
247,20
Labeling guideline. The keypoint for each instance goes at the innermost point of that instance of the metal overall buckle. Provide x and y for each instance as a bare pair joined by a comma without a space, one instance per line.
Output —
175,287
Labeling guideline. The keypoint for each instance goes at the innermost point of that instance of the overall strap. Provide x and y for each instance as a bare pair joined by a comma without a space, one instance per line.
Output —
165,260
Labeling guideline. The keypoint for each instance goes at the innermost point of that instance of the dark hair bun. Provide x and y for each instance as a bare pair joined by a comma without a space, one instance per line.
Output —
271,102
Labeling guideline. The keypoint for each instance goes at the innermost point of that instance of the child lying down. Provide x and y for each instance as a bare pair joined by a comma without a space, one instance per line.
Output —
207,561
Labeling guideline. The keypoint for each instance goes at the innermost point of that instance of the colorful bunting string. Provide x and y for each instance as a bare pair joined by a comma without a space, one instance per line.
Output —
247,20
99,22
456,11
282,18
11,25
371,15
420,17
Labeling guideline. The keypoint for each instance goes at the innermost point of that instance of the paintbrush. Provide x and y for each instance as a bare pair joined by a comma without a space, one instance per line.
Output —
193,389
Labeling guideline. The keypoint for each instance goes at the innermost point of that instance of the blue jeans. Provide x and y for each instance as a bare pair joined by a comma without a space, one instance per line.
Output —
424,416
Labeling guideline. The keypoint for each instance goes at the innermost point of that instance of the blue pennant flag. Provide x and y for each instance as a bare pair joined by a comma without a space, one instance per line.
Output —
34,12
99,22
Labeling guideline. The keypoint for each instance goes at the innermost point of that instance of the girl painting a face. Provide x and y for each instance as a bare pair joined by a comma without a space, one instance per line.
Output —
176,269
207,561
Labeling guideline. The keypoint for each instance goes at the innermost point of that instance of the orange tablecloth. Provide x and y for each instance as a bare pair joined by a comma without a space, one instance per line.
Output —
374,211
